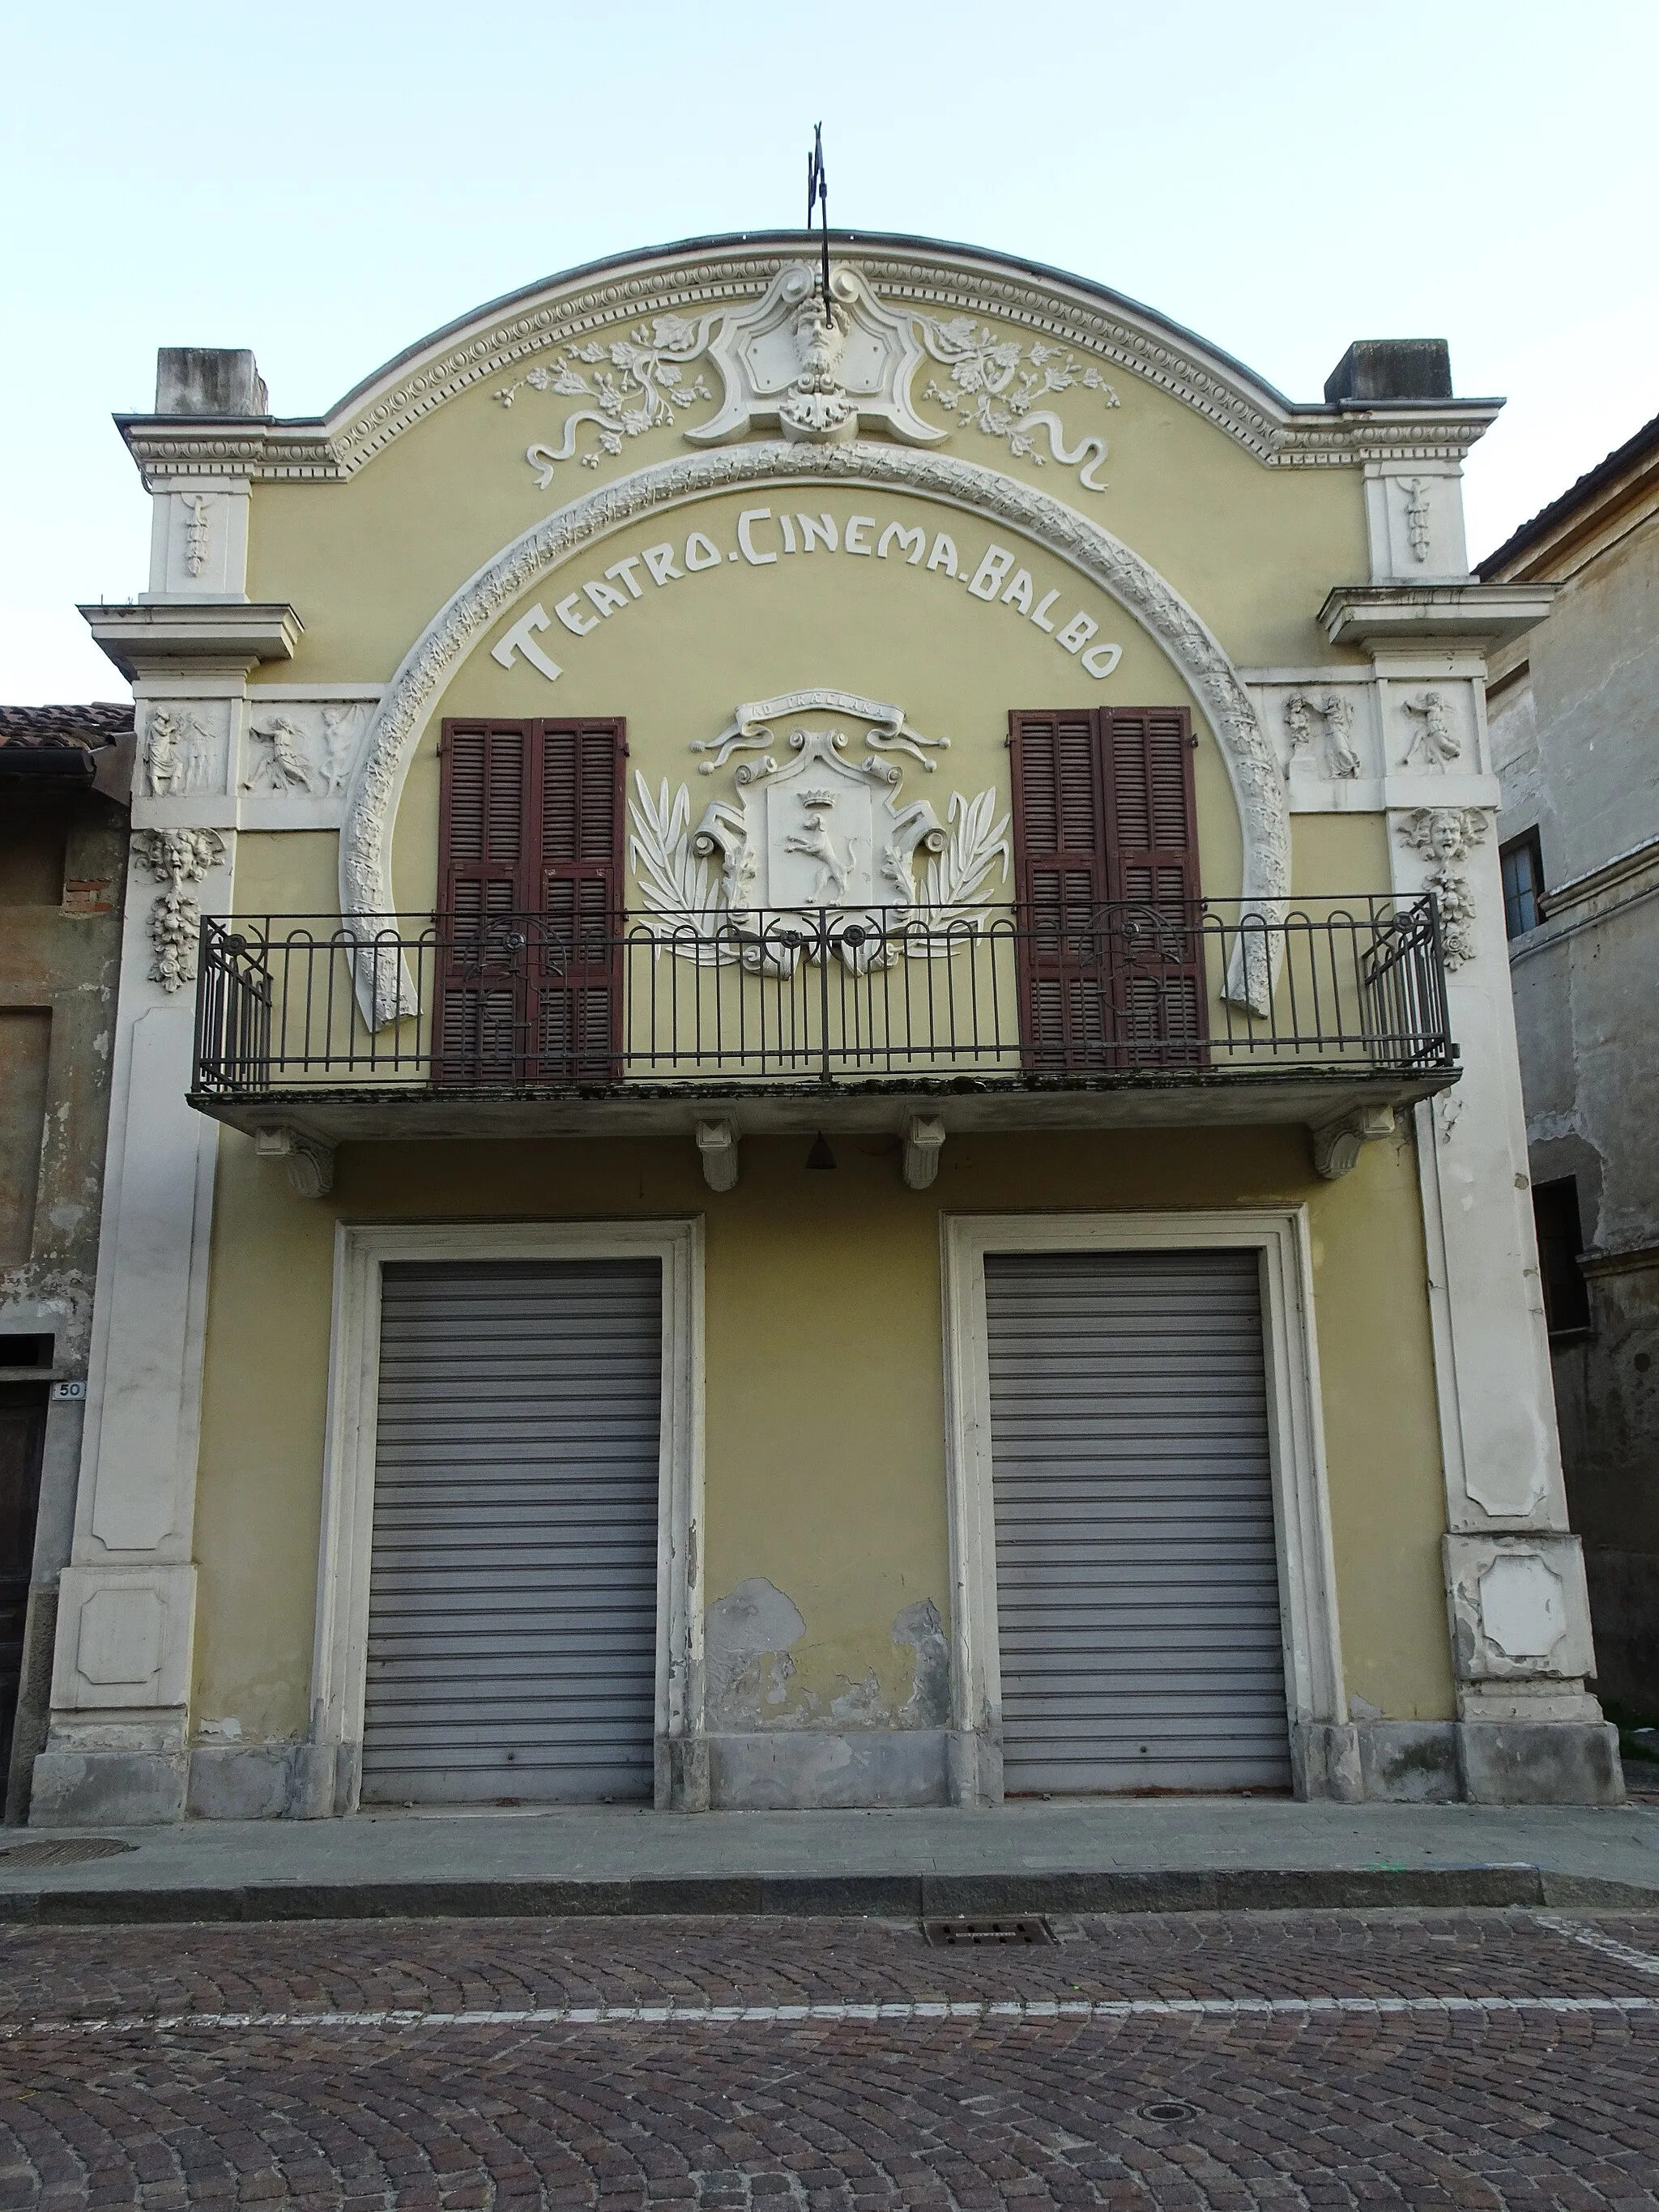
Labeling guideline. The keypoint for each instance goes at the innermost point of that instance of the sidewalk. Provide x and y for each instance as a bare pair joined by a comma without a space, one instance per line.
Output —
1134,1855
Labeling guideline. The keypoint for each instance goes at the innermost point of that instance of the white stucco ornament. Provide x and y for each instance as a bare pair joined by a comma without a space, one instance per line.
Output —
1523,1609
1445,837
176,859
815,367
821,833
818,370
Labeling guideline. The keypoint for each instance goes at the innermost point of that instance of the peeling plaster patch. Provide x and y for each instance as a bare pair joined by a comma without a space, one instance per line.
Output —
928,1705
747,1636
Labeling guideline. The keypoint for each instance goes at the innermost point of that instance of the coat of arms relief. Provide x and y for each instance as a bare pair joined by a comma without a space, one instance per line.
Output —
816,854
817,370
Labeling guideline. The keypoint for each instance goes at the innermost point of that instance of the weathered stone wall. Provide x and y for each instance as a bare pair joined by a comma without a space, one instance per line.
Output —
1576,742
63,874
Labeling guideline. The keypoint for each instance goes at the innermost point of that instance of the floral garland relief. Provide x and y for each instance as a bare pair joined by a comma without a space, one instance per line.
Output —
640,383
636,384
995,382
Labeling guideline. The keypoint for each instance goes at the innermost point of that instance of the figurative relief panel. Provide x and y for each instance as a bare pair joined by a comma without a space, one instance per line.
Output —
1433,742
186,745
1319,726
1338,739
301,753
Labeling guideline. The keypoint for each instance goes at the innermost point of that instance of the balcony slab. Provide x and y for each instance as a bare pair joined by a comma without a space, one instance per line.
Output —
1161,1099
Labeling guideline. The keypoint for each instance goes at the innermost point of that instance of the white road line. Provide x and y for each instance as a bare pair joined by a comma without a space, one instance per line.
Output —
788,2015
1644,1961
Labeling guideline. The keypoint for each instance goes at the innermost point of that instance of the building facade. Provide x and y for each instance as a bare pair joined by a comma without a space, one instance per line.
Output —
844,1127
1574,724
65,775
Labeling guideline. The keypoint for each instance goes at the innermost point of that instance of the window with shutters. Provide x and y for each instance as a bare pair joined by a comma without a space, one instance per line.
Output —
530,891
1106,868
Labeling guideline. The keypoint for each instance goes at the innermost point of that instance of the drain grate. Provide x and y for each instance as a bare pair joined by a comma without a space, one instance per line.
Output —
1167,2111
1021,1928
61,1850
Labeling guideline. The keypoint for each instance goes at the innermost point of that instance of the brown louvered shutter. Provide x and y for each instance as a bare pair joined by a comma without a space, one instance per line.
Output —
1151,829
578,1012
1106,864
482,822
530,873
1059,874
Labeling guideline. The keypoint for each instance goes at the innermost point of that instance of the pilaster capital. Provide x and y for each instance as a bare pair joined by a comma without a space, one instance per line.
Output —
156,638
1472,614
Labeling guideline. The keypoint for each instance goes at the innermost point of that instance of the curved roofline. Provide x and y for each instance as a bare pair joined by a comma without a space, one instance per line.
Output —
806,242
933,278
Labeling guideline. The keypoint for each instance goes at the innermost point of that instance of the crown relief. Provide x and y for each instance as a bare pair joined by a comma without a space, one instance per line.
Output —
817,368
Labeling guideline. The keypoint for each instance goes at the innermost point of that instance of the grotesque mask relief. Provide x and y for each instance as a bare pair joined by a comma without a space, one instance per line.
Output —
1445,837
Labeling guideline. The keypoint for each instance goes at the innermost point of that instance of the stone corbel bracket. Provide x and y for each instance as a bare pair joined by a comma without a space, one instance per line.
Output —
1337,1144
310,1162
717,1147
924,1140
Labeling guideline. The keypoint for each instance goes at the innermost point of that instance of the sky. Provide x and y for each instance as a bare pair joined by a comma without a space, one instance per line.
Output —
327,184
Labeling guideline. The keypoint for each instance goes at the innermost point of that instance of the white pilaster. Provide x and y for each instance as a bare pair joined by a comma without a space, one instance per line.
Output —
198,538
122,1672
1516,1605
1414,521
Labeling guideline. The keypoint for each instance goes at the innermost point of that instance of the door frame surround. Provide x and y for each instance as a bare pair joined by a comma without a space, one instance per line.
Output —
1315,1693
340,1656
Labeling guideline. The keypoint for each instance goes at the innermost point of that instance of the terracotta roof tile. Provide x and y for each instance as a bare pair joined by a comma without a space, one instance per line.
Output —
104,722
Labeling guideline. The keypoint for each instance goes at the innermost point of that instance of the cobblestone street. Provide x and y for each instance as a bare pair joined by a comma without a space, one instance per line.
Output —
1474,2059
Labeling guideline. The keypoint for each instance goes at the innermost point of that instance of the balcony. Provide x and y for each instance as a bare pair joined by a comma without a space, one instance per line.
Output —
996,1017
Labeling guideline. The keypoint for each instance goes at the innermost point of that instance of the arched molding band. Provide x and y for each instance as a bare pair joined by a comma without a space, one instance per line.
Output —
391,741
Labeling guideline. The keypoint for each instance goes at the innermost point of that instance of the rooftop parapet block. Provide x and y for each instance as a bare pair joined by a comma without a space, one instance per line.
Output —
209,382
1380,372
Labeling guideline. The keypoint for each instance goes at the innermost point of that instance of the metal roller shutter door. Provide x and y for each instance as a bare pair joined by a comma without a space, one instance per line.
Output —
513,1595
1136,1577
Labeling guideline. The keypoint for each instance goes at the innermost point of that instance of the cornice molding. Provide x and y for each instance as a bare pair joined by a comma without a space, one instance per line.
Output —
147,634
569,310
389,743
1381,615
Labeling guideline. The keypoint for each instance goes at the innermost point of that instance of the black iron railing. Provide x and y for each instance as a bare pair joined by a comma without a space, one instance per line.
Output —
995,995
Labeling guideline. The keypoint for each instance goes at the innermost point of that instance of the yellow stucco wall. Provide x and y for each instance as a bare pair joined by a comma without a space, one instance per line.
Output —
370,560
824,1408
824,1421
678,661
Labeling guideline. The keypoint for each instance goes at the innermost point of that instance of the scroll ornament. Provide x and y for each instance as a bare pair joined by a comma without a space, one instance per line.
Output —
175,857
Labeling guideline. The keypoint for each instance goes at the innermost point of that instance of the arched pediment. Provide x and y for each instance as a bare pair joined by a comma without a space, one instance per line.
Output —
550,330
413,694
910,276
